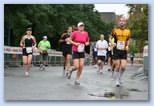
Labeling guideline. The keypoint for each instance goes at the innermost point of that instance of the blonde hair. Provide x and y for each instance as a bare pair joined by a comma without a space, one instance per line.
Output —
102,35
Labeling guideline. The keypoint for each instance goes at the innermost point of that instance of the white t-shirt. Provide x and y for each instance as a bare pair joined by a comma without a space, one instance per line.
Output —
145,51
101,44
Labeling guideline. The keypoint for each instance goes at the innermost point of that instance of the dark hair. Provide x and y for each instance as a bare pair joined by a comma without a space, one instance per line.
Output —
29,29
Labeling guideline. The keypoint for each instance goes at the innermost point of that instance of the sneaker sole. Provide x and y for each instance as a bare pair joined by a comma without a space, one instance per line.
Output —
77,83
117,85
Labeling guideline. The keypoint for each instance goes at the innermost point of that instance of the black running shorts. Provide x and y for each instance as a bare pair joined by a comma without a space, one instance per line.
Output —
119,54
77,55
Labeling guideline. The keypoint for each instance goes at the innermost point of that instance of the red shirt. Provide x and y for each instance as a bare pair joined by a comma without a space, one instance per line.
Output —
79,37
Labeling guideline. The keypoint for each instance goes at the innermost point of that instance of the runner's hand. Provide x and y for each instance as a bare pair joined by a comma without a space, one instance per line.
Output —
87,43
77,44
127,48
67,39
21,45
34,47
114,45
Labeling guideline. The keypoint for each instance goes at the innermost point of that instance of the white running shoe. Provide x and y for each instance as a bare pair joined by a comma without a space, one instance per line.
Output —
101,72
121,81
95,66
66,73
117,84
98,71
43,67
77,82
69,74
27,74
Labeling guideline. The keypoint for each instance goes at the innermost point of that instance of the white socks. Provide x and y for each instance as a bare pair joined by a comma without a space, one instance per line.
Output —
121,74
117,75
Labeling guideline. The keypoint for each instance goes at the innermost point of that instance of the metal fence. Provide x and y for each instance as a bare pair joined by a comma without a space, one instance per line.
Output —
13,57
15,60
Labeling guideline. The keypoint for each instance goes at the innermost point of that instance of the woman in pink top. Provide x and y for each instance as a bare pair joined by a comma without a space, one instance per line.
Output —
79,40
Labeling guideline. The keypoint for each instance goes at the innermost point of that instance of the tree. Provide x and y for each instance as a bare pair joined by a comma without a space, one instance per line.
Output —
50,20
138,23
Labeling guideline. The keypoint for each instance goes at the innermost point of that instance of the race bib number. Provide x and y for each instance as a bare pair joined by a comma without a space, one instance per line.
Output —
121,45
67,40
81,48
29,49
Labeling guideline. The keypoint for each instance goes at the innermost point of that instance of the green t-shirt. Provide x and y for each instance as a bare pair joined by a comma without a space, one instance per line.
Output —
44,45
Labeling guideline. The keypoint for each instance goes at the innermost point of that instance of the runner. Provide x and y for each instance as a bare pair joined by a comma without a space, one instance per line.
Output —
101,46
110,54
121,36
132,58
43,47
94,51
28,43
79,39
66,49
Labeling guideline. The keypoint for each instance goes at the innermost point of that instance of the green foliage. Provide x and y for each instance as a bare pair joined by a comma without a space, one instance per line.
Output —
132,47
51,20
138,23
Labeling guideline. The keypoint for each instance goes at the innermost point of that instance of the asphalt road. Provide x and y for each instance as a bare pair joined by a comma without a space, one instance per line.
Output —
51,85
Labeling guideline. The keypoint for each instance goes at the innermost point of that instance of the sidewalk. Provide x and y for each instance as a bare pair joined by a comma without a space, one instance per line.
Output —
51,85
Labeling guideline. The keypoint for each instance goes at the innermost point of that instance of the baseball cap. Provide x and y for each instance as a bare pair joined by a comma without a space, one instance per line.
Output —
80,23
45,37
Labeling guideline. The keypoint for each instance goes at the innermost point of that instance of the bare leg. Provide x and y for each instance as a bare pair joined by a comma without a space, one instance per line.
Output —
25,62
117,74
79,71
29,62
122,68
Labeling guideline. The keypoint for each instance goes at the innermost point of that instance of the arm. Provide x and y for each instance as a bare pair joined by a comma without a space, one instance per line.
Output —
107,45
61,38
128,41
39,44
71,40
114,36
34,42
74,43
87,42
49,45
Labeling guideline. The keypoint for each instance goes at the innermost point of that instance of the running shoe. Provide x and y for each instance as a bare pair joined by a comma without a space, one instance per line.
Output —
27,74
109,69
95,66
121,81
101,72
117,84
98,71
41,65
69,74
77,82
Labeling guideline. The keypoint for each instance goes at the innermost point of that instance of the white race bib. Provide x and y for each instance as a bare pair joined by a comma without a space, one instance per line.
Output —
29,49
81,48
67,40
121,45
